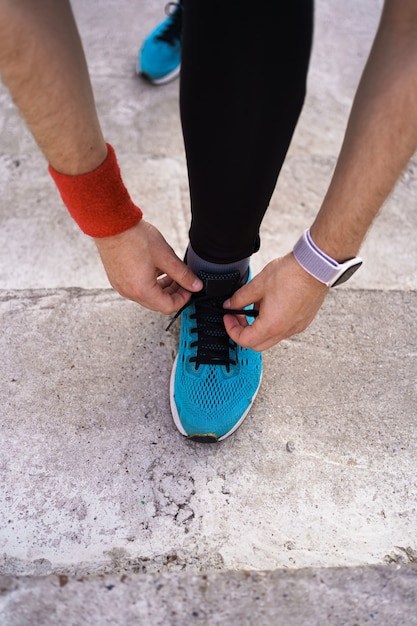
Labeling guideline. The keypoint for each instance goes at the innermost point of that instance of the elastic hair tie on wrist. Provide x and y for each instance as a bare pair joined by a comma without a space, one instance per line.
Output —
98,201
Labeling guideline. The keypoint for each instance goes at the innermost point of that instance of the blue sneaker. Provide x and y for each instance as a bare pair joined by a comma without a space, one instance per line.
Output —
159,59
214,381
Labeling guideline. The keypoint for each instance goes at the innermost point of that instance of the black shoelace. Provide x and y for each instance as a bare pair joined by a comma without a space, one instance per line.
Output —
172,32
214,346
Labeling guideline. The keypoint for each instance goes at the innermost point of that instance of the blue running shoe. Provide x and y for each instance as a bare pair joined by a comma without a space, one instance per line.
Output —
214,381
159,59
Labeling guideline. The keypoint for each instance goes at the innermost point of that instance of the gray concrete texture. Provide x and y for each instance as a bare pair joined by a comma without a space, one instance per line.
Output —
95,478
347,597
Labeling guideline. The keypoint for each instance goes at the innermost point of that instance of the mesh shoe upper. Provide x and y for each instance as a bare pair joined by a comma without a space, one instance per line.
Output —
214,380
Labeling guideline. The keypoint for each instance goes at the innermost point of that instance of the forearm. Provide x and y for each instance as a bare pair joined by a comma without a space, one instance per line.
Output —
381,135
43,65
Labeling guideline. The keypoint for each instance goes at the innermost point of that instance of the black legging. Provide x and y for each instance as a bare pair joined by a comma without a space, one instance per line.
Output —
243,80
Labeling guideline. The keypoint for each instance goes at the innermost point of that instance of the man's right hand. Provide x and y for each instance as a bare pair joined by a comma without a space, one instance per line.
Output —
142,267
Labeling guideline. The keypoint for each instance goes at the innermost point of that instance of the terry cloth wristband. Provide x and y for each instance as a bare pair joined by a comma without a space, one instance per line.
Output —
98,201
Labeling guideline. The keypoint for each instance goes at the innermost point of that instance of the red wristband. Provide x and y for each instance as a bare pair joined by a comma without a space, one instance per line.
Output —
98,201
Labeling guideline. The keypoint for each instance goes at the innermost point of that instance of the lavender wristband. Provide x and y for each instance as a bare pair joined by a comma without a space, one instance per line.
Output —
321,265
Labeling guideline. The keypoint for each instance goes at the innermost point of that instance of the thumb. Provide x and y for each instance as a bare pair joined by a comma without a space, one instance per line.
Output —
182,274
245,296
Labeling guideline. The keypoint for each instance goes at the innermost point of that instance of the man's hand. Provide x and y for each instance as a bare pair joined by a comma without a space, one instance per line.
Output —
142,267
287,299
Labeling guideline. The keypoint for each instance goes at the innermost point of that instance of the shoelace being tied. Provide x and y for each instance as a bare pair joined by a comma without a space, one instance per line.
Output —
172,32
213,344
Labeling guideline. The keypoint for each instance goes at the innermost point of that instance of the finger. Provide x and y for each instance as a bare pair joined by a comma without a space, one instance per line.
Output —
165,281
181,273
158,299
242,319
172,288
233,326
243,334
245,296
167,286
179,298
255,336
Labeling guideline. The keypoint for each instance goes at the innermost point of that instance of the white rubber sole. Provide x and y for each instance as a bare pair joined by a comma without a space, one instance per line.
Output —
160,81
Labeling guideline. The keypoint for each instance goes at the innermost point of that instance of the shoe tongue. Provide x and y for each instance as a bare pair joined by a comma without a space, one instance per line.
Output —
217,285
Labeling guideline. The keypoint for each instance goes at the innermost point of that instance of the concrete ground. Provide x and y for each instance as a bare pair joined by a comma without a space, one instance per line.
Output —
314,497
